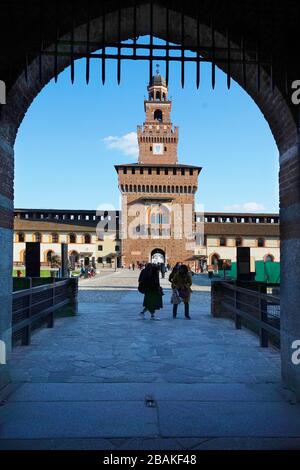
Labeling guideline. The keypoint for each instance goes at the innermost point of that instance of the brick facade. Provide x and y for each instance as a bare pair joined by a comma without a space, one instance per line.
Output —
158,193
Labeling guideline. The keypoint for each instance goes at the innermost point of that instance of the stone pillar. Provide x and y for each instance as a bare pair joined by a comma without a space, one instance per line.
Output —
6,248
290,264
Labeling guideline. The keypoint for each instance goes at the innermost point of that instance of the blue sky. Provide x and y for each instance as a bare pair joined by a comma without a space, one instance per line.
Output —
73,135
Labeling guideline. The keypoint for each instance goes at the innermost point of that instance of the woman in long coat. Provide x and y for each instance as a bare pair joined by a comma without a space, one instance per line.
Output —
149,285
182,281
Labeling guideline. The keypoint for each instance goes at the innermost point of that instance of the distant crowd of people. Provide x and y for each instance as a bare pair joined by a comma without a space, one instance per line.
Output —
87,271
149,285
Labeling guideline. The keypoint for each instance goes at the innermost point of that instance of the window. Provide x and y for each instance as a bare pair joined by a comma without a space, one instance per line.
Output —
165,149
222,241
100,248
166,171
87,238
72,238
191,172
238,242
55,238
150,148
100,260
125,171
108,260
38,237
269,259
260,242
158,171
182,172
117,248
21,237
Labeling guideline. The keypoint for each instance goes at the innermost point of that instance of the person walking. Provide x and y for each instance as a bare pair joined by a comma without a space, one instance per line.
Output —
173,272
182,281
149,286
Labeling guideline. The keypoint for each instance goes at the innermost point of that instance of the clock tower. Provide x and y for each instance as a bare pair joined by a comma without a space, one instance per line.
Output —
157,138
158,193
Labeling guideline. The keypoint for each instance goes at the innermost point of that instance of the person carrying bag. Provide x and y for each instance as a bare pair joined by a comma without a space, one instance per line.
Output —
181,281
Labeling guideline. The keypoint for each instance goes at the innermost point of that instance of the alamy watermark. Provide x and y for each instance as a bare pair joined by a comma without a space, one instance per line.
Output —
2,92
296,353
296,94
2,353
154,220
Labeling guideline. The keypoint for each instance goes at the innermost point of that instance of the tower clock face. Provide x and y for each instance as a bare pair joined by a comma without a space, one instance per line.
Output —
158,149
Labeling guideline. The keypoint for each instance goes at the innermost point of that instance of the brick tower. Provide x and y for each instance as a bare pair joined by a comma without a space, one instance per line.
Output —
157,192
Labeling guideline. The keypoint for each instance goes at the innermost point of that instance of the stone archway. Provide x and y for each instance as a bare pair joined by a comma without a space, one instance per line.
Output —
158,256
274,106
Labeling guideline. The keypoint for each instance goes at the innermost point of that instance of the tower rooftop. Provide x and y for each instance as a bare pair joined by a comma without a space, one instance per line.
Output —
158,80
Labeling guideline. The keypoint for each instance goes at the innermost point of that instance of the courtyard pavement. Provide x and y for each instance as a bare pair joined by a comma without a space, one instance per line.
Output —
107,379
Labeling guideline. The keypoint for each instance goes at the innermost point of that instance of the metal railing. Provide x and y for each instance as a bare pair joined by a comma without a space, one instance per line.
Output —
35,306
254,306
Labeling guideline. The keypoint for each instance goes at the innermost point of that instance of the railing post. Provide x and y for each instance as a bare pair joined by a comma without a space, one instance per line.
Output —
238,320
50,323
73,294
263,315
26,336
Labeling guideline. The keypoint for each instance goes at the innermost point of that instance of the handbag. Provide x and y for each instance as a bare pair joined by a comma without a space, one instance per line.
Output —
183,292
175,298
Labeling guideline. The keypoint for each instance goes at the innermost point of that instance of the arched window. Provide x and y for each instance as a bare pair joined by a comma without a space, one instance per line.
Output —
72,238
55,238
143,188
158,115
130,188
49,256
158,96
147,188
155,189
87,238
215,259
21,237
75,256
151,188
139,188
38,237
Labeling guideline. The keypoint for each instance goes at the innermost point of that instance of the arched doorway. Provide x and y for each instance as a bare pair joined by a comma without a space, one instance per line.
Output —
158,256
273,101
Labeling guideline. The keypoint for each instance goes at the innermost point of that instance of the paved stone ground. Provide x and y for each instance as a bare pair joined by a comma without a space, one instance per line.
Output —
85,384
